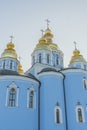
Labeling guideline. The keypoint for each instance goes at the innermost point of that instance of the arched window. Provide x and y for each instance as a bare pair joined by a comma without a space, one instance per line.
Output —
40,58
4,64
84,67
85,83
33,59
48,58
58,114
31,98
11,64
80,117
12,96
80,114
57,62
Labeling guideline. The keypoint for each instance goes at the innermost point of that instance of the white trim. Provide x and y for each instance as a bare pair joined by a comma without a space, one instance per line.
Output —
22,79
12,85
41,65
28,93
86,108
17,96
7,97
60,113
50,73
77,107
73,71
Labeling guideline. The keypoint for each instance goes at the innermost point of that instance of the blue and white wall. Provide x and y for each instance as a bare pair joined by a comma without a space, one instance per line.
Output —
51,97
20,117
75,84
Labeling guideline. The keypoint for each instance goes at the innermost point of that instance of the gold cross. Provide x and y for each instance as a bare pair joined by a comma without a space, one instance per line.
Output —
42,32
75,45
11,38
47,23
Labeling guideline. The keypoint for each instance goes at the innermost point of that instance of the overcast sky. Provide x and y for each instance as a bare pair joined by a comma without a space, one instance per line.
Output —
25,18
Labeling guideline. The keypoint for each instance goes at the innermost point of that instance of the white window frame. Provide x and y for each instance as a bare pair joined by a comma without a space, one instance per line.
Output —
4,64
48,58
28,97
12,85
60,113
83,117
40,57
57,60
85,80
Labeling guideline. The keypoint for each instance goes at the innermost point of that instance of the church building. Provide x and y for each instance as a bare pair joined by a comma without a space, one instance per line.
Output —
47,96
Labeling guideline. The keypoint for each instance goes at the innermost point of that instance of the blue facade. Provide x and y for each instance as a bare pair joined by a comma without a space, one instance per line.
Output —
20,116
48,95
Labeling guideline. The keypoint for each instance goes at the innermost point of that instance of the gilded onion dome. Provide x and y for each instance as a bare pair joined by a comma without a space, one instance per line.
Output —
77,57
48,35
46,42
9,51
42,44
20,70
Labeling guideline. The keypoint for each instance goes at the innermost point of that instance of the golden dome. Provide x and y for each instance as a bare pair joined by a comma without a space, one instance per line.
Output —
46,43
42,41
20,70
77,57
48,35
53,46
9,51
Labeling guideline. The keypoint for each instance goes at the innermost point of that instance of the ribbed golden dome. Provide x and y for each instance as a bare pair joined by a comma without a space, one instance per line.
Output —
77,57
42,41
48,35
20,70
46,42
9,51
54,46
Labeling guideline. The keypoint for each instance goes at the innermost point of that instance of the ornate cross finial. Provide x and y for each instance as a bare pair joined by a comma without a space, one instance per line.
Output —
42,31
11,38
47,23
75,45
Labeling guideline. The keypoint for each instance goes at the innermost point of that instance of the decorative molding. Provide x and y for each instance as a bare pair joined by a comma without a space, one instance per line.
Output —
22,79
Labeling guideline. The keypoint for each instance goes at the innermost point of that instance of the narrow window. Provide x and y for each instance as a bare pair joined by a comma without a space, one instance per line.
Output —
85,83
40,58
80,114
4,64
33,59
11,64
84,67
57,62
58,115
48,58
80,118
31,98
12,97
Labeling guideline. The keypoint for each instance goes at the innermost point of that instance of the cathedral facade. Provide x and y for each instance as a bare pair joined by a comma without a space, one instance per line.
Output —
48,96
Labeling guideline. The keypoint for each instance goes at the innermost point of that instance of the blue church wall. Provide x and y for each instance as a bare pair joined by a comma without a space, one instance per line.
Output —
47,96
60,60
20,117
76,96
7,63
51,93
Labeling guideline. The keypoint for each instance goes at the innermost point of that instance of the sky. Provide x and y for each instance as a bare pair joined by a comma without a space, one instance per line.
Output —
25,18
